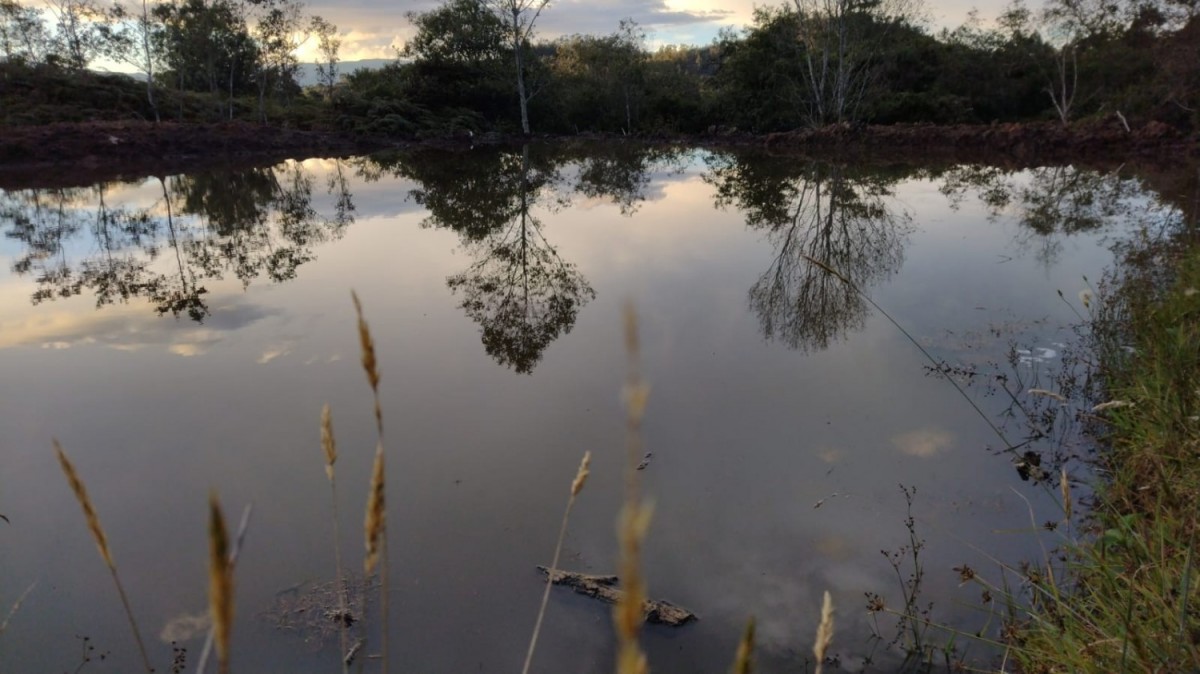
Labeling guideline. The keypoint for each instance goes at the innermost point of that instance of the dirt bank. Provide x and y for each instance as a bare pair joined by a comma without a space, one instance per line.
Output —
81,153
1028,143
138,148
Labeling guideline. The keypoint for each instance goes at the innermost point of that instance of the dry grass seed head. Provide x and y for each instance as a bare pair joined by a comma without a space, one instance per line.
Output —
370,365
89,513
744,662
374,523
824,632
220,581
327,441
582,474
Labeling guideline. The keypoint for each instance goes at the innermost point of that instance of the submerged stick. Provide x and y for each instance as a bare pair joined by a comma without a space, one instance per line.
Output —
604,588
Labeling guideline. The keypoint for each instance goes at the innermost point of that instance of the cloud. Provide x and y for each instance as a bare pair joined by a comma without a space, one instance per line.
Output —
129,327
274,351
372,30
924,443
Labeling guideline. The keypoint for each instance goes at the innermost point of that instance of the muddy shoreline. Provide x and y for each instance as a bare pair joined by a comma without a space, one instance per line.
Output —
83,153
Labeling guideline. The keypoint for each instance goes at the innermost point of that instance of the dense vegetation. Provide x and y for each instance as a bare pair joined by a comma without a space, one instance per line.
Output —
478,66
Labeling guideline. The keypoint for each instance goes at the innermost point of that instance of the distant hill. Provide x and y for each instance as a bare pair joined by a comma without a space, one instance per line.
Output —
307,75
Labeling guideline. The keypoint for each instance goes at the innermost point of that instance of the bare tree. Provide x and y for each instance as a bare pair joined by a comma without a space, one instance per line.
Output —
1065,81
519,17
841,40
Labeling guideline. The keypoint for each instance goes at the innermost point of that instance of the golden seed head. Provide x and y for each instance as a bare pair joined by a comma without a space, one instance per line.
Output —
582,475
220,581
824,631
744,662
368,345
374,523
89,513
327,441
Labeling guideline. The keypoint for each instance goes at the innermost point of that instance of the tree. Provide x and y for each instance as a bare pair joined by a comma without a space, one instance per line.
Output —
77,30
457,71
834,215
206,46
518,18
278,24
128,37
841,40
328,44
760,81
23,36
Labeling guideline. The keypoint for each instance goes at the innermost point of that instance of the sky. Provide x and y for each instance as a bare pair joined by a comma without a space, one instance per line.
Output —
372,28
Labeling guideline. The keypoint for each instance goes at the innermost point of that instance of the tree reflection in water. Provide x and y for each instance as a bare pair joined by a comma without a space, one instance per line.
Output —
519,290
250,222
839,216
1049,203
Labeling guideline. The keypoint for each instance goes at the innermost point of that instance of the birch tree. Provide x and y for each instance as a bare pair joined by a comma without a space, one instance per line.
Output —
519,17
329,42
842,40
129,37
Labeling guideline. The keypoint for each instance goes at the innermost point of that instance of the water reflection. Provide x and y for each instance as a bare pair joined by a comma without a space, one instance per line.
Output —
518,289
256,222
1049,202
842,217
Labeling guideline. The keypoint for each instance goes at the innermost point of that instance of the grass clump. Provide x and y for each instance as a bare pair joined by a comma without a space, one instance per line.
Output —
1125,597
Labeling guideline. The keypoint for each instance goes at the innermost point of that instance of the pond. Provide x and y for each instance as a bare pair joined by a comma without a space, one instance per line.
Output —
180,334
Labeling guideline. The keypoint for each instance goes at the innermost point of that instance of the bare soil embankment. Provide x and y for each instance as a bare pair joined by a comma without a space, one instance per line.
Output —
80,153
1012,145
113,149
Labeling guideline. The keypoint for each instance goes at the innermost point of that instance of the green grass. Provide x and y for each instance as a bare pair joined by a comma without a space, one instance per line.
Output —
1123,595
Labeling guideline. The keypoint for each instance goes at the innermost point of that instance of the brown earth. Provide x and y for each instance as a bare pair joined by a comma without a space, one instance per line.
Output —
1100,141
80,153
84,152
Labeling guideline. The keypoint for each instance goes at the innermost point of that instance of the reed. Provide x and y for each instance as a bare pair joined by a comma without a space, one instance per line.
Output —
16,607
375,524
576,487
220,581
329,445
634,520
93,524
743,663
824,632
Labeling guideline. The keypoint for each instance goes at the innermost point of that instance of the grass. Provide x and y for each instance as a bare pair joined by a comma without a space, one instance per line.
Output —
1125,598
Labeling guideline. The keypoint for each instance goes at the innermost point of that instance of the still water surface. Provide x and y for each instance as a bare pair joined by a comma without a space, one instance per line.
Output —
181,334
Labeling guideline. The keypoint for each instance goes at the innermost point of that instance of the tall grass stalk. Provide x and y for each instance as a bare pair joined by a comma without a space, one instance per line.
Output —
375,524
634,520
329,445
93,523
16,607
220,582
576,486
824,632
743,662
234,551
